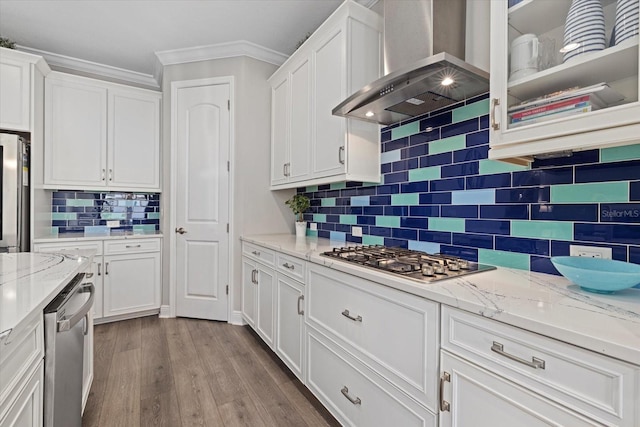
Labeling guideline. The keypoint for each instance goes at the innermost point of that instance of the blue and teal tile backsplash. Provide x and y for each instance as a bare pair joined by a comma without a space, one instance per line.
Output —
84,211
441,193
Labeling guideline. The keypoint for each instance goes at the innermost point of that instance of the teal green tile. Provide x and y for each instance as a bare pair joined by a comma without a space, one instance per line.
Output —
111,215
54,231
557,230
408,199
329,201
153,215
348,219
455,225
470,111
372,240
64,216
388,221
488,167
405,130
311,189
593,192
312,233
370,184
453,143
338,185
616,154
319,218
79,202
144,228
503,259
425,174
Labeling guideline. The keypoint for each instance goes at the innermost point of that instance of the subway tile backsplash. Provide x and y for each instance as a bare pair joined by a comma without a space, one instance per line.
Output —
441,193
85,211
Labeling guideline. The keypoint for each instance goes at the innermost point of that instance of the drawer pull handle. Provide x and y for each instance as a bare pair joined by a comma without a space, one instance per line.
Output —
494,103
346,314
290,267
132,246
300,310
256,253
535,362
345,393
444,405
254,276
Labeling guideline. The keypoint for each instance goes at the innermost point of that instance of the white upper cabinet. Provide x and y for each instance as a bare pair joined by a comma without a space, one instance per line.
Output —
308,144
100,135
532,111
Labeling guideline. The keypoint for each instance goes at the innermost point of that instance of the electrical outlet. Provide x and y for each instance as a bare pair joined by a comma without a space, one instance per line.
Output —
313,226
112,224
356,231
590,251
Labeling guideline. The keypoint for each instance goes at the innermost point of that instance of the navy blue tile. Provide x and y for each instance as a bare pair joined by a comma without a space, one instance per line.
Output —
403,233
487,226
324,234
58,202
353,239
63,230
459,211
388,189
333,193
459,128
333,218
577,158
396,210
324,187
445,158
435,198
351,184
349,192
414,187
469,254
418,150
380,200
447,184
58,223
489,181
82,195
608,233
365,191
477,138
344,228
618,171
523,195
395,125
634,254
353,210
543,177
542,265
91,215
396,243
523,245
63,195
435,236
385,168
392,178
620,212
484,122
424,210
473,240
562,212
373,210
561,248
367,220
414,223
308,217
460,169
72,209
436,121
477,98
380,231
634,191
385,136
474,153
396,144
423,137
403,165
326,226
504,211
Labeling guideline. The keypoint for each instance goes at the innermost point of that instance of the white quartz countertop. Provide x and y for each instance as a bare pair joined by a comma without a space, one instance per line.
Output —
546,304
29,281
76,237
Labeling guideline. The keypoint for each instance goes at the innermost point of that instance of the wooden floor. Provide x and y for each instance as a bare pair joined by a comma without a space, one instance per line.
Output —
184,372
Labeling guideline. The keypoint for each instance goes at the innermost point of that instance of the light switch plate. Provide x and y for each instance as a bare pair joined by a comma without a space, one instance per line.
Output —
313,226
590,251
356,231
112,224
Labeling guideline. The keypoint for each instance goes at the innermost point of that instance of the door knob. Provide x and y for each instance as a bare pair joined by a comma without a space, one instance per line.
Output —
180,230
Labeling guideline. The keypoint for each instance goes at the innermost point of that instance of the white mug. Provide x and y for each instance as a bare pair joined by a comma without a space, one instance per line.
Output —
524,56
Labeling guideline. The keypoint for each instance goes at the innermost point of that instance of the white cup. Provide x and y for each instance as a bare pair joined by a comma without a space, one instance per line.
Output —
524,56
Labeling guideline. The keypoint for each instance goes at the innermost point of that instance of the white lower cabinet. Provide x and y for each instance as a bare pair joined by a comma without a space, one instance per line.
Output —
26,410
290,323
87,361
258,293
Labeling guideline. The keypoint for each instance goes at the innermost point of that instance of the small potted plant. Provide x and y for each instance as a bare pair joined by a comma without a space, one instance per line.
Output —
299,203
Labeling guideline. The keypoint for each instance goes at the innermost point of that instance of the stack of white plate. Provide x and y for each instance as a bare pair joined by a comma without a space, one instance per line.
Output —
627,18
585,27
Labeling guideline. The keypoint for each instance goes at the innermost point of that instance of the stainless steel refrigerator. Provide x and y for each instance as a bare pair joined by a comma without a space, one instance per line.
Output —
15,196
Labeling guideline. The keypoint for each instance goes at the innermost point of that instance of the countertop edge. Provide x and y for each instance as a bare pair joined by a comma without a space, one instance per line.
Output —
93,237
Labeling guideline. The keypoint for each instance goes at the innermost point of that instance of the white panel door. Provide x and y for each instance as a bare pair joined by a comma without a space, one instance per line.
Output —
279,132
131,283
300,136
202,201
15,89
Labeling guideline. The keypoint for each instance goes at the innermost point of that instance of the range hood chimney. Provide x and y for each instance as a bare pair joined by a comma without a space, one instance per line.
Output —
423,43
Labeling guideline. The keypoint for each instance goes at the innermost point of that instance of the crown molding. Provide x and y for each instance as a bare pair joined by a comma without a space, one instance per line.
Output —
94,68
368,3
219,51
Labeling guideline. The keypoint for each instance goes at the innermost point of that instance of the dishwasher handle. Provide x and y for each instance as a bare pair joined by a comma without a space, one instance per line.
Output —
66,324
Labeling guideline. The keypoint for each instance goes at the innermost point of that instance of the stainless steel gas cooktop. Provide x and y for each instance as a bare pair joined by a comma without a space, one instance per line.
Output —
415,265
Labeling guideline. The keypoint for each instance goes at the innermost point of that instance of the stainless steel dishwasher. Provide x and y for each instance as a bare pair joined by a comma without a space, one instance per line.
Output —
65,324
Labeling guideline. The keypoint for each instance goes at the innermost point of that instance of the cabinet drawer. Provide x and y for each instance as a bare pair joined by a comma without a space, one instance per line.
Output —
19,352
68,246
265,256
130,246
393,332
354,394
590,383
291,266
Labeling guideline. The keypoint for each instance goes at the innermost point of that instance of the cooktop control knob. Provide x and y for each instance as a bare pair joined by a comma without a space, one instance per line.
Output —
453,265
463,264
438,269
427,270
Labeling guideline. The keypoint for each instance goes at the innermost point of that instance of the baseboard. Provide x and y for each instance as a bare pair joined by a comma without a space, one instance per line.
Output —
236,318
127,316
165,312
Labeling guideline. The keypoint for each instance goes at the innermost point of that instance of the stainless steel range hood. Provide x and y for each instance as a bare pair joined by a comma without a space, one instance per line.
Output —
423,41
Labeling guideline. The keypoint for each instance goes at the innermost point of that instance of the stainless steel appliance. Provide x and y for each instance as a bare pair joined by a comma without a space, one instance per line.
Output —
66,326
415,265
14,199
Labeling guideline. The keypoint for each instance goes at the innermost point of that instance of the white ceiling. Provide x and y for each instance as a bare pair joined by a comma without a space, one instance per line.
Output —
126,33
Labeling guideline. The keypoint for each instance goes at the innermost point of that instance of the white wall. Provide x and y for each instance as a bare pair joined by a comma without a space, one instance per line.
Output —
256,210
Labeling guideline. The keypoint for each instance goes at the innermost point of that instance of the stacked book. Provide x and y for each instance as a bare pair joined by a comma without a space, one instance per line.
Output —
562,104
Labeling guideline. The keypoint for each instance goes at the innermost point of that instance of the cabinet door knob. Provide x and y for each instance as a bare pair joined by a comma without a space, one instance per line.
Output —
180,230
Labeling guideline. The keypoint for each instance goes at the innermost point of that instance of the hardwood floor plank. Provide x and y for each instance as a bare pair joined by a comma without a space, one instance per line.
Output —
129,335
311,410
160,410
241,412
157,376
179,340
121,406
